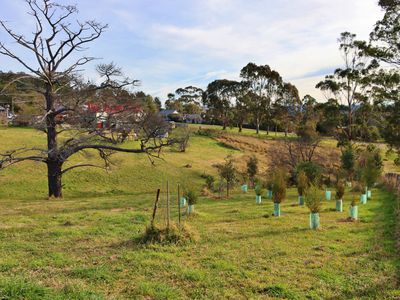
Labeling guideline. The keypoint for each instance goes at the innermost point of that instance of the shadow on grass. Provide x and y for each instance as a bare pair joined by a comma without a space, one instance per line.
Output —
384,250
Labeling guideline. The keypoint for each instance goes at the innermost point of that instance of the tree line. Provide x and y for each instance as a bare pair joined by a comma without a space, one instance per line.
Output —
363,95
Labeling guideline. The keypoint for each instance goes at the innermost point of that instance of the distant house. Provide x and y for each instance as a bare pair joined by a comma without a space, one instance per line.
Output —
102,113
5,114
170,114
193,118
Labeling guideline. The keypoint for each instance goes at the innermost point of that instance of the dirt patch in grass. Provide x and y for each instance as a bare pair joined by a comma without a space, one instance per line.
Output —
269,151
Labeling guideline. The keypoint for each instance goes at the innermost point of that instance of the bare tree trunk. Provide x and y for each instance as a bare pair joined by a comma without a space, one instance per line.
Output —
240,126
54,172
54,175
350,132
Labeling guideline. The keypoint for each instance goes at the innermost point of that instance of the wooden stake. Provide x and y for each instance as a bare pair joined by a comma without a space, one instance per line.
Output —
168,212
155,208
179,204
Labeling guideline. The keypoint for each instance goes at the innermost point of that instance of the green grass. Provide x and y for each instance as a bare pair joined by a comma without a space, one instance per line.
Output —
85,246
246,131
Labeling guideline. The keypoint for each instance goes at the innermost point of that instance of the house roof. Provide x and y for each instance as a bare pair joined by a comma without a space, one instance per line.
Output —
167,112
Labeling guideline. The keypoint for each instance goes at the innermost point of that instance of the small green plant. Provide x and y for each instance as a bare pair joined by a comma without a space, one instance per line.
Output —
354,201
252,169
312,170
314,199
340,189
348,160
302,183
279,185
191,197
258,190
369,166
210,180
227,171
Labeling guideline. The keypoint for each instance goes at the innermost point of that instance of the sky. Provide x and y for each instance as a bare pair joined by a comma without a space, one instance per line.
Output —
168,44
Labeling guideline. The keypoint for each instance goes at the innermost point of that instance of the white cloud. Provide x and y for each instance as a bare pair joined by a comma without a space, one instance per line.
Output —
172,43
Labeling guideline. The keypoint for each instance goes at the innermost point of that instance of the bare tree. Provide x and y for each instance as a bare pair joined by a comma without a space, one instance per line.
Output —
67,120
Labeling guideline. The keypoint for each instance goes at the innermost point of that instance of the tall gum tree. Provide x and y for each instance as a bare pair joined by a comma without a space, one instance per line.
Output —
347,84
265,86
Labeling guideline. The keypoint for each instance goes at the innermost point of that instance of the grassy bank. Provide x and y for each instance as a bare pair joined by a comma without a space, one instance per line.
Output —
86,245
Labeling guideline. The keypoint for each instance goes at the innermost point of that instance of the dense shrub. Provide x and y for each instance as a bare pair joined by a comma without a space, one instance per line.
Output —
191,197
348,161
370,166
302,183
210,180
252,168
258,190
279,185
227,171
312,170
314,199
340,188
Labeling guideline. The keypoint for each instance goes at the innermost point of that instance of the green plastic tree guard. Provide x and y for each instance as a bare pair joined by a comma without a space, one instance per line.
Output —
339,205
314,220
183,201
269,194
328,195
277,209
244,188
354,212
301,200
369,194
191,209
258,199
363,199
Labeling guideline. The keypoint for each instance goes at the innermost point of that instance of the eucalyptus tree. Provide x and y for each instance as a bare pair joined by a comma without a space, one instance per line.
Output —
53,58
190,99
348,84
218,98
265,86
242,100
287,108
384,43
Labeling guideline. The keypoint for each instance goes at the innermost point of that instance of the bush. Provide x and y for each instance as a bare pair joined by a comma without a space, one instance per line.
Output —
227,171
210,180
348,161
258,190
252,168
279,185
206,132
370,166
269,185
354,201
191,197
314,199
312,170
340,188
302,183
173,235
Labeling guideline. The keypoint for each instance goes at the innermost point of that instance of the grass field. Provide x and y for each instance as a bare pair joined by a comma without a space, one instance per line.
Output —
85,246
